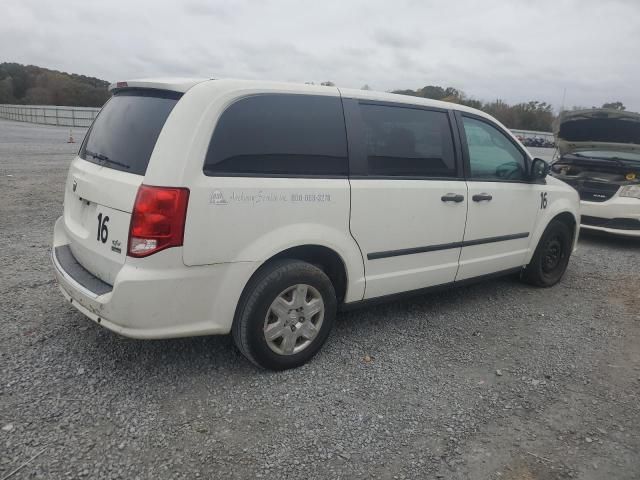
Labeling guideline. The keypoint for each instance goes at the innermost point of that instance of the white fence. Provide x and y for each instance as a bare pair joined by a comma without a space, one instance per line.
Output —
50,115
83,116
533,134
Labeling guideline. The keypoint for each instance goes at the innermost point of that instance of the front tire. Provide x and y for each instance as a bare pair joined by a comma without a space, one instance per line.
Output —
550,260
285,314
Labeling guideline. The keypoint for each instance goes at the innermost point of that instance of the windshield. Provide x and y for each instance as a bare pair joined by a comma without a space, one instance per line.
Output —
609,155
125,132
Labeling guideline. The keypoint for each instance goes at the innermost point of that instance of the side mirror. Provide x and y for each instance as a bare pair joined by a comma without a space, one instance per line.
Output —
539,169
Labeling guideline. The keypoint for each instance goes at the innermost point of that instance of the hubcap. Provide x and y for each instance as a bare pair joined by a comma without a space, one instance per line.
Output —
552,255
294,319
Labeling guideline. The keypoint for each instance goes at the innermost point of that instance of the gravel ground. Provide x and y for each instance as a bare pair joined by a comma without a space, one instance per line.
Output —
496,380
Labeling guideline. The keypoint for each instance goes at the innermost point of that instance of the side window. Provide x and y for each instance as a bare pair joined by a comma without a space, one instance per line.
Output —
408,142
492,155
279,134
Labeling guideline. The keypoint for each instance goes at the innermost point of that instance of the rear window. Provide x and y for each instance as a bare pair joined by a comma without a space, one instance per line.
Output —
125,132
280,135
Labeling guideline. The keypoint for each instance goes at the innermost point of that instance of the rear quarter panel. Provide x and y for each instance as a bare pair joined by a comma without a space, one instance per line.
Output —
248,219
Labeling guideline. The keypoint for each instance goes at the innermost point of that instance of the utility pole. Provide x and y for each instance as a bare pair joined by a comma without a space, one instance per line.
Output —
564,96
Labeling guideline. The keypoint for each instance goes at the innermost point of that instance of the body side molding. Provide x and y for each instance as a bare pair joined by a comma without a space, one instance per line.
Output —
444,246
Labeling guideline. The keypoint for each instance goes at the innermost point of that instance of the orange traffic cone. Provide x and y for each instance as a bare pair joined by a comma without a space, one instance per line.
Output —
71,140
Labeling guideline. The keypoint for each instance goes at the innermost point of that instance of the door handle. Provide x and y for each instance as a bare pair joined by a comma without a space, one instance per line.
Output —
480,197
452,197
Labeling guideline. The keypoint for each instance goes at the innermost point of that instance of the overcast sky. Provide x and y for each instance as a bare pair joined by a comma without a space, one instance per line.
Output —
514,50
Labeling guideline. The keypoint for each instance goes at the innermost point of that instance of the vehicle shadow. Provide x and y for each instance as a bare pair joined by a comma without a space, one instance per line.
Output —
173,357
215,357
446,301
603,239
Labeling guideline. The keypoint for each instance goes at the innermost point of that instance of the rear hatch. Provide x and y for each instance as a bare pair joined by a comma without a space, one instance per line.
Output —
104,178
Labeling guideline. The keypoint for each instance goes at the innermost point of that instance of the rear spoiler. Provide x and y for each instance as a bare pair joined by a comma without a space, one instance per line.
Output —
172,84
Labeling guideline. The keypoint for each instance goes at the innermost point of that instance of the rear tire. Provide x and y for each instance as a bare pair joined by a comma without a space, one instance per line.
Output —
551,257
285,314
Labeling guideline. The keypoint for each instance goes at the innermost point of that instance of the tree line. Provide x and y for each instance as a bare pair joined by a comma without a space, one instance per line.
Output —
532,115
32,85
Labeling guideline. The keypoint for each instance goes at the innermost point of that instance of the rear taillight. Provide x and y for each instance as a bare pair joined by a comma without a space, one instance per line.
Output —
157,221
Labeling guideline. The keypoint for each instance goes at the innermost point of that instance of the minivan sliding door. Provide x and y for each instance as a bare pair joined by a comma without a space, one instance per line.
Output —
408,197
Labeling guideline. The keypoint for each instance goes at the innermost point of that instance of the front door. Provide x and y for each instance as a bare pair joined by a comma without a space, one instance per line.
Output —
503,204
408,195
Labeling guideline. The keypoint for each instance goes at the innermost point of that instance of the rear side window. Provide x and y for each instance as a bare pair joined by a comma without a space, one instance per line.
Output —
408,142
281,135
126,130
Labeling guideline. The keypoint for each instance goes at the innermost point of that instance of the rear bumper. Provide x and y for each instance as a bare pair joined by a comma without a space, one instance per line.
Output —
154,297
619,216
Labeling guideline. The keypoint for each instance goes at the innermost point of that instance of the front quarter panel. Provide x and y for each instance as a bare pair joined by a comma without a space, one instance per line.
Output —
560,198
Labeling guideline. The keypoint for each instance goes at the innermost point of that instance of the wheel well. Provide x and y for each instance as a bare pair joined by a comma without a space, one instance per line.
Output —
325,259
568,219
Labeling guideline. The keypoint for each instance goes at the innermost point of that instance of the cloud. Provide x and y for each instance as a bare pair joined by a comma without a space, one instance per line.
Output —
517,51
486,45
394,39
203,8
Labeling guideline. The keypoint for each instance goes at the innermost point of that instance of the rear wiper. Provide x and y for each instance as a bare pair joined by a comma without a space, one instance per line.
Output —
624,161
616,160
104,158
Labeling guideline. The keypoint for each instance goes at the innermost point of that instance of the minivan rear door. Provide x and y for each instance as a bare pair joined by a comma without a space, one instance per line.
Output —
104,178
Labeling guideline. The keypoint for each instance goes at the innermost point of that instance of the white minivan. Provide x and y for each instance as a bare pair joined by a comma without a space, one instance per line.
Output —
199,207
